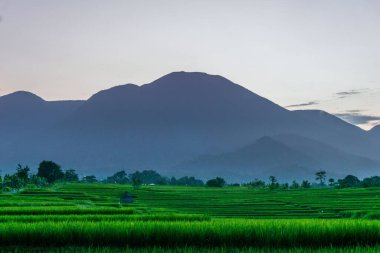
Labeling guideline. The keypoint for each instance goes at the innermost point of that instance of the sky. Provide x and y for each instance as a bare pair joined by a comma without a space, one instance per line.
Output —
300,54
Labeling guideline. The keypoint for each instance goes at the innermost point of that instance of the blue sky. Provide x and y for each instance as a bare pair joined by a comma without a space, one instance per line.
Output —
302,54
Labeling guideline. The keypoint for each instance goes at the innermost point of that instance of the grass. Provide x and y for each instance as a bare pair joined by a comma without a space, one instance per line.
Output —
214,233
196,250
89,218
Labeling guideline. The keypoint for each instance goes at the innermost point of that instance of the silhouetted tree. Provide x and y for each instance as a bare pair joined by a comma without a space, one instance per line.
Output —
23,174
119,177
89,179
136,182
216,182
285,186
256,184
295,185
148,177
321,177
189,181
331,182
273,184
51,171
305,184
38,181
371,182
348,181
71,176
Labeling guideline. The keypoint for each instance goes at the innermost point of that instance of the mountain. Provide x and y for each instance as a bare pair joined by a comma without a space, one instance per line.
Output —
160,125
335,161
259,159
25,111
375,133
24,117
334,131
288,157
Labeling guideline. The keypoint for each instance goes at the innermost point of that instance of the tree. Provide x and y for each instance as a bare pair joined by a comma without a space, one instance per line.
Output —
371,182
321,177
136,183
285,186
7,181
71,176
305,184
23,174
331,182
149,177
348,181
38,181
15,182
189,181
119,177
256,184
51,171
273,184
295,185
216,182
89,179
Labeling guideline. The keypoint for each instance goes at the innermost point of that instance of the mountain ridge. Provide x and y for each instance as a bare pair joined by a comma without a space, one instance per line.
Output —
160,124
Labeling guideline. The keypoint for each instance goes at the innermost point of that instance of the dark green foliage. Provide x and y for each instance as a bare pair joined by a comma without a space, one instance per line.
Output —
331,182
295,185
273,184
285,186
348,181
120,177
216,182
256,184
89,179
23,174
149,177
321,177
51,171
71,176
186,181
371,182
136,183
306,184
38,181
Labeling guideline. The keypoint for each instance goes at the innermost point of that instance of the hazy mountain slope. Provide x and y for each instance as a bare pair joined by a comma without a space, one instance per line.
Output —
24,119
158,125
174,118
260,159
375,133
333,160
330,129
285,156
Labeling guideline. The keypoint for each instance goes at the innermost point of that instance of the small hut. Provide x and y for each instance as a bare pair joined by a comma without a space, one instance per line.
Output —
126,198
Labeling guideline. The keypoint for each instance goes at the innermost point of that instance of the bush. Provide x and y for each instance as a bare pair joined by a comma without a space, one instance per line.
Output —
216,182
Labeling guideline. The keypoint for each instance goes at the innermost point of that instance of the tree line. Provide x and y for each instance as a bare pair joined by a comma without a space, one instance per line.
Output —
49,172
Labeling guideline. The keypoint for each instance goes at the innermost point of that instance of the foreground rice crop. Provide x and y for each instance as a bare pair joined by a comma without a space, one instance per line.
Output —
90,218
214,233
197,250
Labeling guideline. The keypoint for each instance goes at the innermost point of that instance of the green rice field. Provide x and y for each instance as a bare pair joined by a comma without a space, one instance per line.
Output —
81,217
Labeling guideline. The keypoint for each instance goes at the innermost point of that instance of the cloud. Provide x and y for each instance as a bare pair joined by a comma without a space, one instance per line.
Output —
356,117
344,94
304,104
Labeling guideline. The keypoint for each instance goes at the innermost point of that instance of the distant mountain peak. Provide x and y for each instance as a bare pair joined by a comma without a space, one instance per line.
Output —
191,79
21,97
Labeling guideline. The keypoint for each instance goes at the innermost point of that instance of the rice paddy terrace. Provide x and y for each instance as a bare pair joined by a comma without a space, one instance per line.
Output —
233,201
190,219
